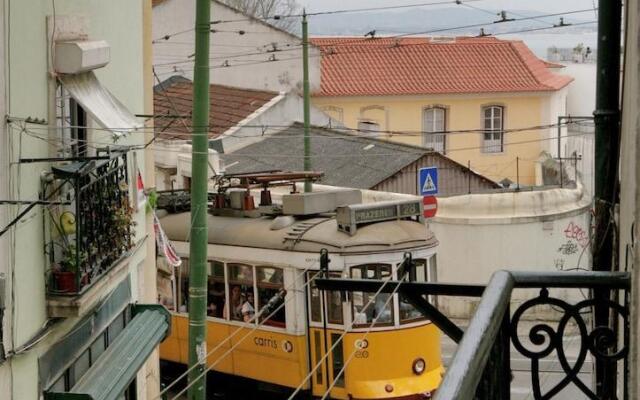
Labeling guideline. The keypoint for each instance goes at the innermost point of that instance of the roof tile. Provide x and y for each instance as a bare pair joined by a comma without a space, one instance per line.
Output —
413,66
229,106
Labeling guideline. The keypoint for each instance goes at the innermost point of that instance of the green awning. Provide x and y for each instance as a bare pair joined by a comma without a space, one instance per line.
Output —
110,376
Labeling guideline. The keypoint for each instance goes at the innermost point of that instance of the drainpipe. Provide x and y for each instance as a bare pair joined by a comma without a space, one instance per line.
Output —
607,138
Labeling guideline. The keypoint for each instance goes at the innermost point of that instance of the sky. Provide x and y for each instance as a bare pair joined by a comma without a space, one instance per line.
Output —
548,6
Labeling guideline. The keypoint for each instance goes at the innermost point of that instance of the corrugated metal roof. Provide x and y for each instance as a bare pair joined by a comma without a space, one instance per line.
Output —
347,160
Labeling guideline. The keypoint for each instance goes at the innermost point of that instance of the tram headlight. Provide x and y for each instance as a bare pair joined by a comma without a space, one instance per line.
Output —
419,365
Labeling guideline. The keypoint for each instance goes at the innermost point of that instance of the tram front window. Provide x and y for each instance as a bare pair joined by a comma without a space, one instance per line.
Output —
368,307
408,313
215,290
241,305
270,284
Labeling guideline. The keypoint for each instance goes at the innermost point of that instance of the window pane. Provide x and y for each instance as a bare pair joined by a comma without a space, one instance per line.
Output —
318,352
97,348
338,359
428,120
183,286
368,127
81,366
487,113
407,312
60,385
215,290
314,299
270,287
334,303
365,313
242,304
115,328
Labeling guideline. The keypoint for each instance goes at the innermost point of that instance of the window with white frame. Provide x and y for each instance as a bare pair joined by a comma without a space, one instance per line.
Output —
493,125
434,128
368,128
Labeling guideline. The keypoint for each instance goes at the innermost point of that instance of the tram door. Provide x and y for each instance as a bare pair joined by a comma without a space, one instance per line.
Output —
326,326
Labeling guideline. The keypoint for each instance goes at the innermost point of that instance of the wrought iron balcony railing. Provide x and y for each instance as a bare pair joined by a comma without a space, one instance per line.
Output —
481,367
94,231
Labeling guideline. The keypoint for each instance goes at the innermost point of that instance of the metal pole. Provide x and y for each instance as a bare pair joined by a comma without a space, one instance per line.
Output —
305,85
607,142
517,173
469,174
560,118
198,243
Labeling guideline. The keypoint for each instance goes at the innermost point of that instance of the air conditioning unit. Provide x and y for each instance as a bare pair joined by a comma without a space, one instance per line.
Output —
74,57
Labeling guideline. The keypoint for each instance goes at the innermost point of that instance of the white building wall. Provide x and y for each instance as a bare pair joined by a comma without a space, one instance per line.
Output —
172,56
523,231
119,22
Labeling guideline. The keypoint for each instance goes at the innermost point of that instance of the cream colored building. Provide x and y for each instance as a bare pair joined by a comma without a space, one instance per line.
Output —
77,270
481,101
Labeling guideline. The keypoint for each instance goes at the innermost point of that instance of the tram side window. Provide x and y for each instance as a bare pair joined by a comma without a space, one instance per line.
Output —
366,307
408,313
315,297
241,302
215,290
182,286
334,303
270,282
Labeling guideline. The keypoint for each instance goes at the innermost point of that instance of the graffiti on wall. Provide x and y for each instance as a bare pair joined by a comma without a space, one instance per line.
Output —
577,240
575,232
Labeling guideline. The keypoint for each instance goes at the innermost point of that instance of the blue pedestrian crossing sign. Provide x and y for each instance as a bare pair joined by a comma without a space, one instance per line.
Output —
428,181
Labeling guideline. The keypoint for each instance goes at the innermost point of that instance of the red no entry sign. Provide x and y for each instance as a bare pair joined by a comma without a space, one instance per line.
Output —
430,206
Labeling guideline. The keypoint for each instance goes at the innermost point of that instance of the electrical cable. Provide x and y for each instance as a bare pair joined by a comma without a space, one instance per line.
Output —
235,345
251,321
364,337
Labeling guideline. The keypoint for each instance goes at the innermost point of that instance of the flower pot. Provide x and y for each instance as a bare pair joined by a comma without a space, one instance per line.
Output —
65,281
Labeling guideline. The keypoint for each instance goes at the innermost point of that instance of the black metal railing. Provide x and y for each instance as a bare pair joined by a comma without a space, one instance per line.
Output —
94,232
481,366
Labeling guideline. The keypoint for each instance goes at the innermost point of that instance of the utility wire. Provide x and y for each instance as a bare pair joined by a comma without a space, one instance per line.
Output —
332,49
226,353
310,14
251,321
335,344
364,337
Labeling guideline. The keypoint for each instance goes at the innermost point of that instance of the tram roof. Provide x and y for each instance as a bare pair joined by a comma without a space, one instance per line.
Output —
305,235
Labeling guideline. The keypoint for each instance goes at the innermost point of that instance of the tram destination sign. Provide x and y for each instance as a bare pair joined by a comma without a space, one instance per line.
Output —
349,217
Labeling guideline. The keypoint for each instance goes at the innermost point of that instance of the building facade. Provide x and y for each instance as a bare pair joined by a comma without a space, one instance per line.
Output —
483,102
77,266
244,51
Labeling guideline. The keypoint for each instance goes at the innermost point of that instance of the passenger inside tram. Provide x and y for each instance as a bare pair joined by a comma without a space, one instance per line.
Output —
236,300
248,311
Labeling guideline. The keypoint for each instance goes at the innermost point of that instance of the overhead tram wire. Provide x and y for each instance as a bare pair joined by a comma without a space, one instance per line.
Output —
374,133
309,14
344,43
339,156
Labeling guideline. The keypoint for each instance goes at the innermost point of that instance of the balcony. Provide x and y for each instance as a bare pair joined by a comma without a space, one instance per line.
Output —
91,236
481,367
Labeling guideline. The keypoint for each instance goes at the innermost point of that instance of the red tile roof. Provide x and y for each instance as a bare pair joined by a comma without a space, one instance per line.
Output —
229,106
413,66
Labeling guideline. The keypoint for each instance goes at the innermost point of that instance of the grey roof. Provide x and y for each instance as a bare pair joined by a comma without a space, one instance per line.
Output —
346,160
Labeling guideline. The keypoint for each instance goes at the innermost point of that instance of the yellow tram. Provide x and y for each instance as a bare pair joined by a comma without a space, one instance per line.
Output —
258,257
